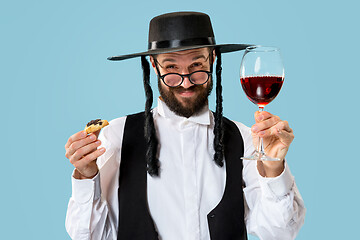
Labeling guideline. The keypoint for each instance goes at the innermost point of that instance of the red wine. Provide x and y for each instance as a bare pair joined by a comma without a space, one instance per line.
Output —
261,90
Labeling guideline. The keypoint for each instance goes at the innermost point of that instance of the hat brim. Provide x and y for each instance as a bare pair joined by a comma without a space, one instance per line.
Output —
224,48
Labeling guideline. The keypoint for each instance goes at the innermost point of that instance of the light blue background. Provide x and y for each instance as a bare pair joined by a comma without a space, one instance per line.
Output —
55,77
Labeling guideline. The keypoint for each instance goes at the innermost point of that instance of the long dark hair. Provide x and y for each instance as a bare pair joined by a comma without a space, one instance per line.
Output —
218,128
149,128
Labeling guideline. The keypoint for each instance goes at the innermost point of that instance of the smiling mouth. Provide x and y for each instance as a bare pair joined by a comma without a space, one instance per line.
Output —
186,93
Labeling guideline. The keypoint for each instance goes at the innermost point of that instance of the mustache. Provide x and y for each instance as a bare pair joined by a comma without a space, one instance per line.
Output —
180,89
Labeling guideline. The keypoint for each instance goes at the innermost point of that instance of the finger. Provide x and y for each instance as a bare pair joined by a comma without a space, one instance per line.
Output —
261,116
283,126
265,124
284,136
81,152
86,160
281,130
77,136
96,133
79,144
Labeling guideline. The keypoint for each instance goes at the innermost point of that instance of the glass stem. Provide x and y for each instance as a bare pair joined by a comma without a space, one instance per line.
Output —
261,143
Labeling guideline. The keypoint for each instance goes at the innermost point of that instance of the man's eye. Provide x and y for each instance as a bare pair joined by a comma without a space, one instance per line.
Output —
198,64
170,67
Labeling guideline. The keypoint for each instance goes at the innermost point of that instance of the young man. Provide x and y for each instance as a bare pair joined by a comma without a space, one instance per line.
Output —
181,176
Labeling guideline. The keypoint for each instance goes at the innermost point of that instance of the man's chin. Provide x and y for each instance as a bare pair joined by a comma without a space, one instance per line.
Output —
186,102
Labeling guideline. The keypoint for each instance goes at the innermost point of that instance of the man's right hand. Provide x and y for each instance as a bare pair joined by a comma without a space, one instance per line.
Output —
81,150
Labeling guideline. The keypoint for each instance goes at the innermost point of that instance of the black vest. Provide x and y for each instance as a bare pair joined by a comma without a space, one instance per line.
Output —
226,221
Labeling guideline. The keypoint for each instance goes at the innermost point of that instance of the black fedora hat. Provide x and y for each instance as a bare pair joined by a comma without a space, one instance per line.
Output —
180,31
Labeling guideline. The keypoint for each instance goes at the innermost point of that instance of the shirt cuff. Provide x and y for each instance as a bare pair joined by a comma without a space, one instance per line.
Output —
277,187
85,190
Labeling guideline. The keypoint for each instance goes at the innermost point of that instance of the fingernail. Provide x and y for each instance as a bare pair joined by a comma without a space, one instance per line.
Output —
262,133
260,117
83,134
102,150
98,142
92,137
254,129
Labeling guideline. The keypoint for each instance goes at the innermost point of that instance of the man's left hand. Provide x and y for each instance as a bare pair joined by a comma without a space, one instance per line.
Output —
277,137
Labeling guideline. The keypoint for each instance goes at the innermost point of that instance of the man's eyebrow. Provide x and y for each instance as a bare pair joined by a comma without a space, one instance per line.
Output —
198,57
173,60
168,60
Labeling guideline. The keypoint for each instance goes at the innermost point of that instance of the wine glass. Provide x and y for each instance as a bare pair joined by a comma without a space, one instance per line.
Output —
261,76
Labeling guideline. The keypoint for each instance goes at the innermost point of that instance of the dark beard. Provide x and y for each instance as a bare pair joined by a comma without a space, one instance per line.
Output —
191,107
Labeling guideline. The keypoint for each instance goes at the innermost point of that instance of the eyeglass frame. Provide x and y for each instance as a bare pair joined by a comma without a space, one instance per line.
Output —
209,73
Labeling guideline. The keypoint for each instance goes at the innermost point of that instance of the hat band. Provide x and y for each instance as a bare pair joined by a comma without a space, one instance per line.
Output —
181,43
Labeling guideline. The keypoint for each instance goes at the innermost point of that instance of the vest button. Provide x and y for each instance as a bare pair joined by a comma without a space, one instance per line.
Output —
212,215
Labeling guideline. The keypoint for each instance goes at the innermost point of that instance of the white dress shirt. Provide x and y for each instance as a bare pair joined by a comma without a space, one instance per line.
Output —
189,187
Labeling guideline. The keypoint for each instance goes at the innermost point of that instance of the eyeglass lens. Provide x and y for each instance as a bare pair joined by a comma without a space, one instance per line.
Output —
195,78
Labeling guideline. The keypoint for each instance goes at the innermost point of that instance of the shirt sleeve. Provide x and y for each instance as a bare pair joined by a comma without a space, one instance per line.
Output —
90,213
274,208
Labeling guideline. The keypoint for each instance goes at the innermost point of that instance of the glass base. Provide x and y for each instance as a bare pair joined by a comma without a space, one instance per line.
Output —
258,156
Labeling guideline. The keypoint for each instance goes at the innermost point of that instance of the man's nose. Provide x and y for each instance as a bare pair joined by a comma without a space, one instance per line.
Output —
186,83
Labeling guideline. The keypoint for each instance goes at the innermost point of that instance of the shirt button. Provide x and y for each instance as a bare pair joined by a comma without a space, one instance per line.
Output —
212,215
184,123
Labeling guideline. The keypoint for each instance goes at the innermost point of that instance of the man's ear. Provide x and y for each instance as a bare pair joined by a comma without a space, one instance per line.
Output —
152,61
153,64
214,56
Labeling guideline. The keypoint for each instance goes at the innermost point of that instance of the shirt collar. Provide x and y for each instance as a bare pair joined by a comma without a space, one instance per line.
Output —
202,117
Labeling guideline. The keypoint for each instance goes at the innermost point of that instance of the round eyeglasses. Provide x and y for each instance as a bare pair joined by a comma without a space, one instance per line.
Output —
176,79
